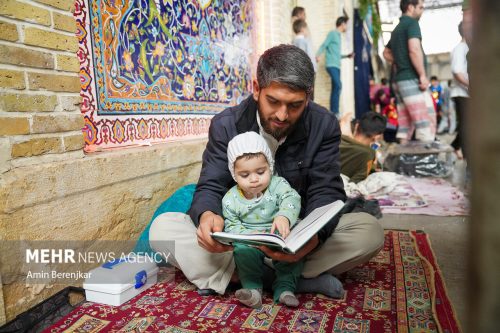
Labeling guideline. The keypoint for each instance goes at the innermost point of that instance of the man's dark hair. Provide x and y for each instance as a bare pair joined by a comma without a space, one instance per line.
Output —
288,65
384,81
371,123
434,78
404,4
296,11
341,20
461,29
299,25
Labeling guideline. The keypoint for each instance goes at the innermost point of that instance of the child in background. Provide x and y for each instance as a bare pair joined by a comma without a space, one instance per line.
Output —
391,113
381,100
302,40
437,98
260,202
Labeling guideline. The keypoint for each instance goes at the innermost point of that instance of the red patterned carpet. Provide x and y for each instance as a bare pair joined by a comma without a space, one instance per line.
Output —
400,290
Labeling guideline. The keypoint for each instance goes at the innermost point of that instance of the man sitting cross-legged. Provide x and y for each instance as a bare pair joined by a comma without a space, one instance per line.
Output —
304,140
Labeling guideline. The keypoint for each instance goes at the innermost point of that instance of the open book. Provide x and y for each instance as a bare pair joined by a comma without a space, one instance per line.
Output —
299,235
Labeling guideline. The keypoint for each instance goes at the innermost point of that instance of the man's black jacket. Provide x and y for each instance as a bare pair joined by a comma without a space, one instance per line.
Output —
309,160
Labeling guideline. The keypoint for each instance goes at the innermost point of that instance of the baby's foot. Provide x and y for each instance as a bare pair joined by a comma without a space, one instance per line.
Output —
250,297
289,299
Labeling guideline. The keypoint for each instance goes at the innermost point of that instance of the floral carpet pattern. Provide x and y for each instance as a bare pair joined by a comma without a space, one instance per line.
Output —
158,70
399,290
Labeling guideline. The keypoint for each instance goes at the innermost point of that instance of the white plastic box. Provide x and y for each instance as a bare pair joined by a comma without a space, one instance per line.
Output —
117,281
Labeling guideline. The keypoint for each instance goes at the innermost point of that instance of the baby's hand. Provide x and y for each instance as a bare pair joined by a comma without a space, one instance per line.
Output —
281,224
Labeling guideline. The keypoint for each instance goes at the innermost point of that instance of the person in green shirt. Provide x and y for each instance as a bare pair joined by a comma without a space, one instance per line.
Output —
332,47
357,158
404,51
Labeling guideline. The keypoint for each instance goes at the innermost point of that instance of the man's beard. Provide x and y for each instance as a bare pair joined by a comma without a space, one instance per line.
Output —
277,133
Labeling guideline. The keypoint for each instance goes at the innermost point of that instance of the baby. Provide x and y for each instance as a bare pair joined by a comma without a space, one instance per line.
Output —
260,202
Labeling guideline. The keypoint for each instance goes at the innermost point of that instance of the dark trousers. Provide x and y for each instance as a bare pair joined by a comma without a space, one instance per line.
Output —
334,73
460,107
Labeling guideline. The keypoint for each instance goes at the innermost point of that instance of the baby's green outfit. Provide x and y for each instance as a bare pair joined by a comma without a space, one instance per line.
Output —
250,215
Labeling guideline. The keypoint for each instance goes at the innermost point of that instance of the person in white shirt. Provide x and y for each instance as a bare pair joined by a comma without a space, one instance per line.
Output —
302,38
303,42
460,91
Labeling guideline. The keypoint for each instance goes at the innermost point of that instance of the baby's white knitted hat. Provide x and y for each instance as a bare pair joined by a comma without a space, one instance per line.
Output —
249,142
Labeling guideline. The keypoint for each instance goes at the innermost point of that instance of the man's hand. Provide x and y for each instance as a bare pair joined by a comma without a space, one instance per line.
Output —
282,224
423,83
211,222
282,256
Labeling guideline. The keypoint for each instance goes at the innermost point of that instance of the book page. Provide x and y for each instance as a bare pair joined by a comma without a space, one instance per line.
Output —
299,235
260,238
311,224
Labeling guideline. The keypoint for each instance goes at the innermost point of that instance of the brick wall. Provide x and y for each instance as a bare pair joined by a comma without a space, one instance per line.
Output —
39,85
273,23
48,188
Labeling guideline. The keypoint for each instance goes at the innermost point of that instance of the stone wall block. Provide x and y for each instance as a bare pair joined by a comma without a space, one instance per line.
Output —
69,103
12,79
27,103
64,22
53,82
61,4
4,160
36,146
13,125
8,31
104,169
50,40
25,57
25,12
119,211
73,142
68,63
56,123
